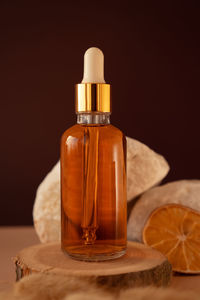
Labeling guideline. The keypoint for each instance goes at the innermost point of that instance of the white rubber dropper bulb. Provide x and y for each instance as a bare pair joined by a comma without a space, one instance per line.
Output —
93,66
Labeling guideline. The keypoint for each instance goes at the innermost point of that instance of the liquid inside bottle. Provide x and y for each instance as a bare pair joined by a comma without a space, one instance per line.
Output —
93,189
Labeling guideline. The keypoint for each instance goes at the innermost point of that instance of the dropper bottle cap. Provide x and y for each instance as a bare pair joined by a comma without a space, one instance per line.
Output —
93,94
93,66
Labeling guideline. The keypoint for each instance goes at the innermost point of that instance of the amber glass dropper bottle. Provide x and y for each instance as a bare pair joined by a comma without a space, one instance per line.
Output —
93,172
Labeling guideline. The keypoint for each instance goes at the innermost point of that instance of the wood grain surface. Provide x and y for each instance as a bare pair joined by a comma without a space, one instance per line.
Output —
141,265
13,239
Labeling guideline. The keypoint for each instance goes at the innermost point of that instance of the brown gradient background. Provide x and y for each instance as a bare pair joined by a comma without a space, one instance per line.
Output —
151,58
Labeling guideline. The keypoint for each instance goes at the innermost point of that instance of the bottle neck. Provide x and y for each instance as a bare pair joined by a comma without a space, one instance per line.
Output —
93,118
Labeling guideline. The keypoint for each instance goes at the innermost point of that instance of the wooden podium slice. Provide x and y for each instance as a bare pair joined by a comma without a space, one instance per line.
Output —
141,265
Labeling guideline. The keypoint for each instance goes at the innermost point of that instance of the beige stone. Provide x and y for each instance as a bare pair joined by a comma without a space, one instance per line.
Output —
46,210
145,168
185,192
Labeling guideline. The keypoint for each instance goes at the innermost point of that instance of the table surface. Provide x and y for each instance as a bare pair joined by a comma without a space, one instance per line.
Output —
13,239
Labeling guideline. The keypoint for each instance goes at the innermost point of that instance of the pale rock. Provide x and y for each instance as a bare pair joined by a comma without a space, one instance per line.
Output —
184,192
46,209
145,168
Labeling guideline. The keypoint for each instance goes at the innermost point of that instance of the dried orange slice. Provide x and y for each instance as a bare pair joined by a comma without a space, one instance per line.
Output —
174,230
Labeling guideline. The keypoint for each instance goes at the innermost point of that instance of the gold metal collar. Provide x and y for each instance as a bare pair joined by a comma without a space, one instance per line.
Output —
92,97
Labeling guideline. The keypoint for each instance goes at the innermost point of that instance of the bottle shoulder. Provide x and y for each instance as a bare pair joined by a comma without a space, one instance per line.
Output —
116,130
117,134
71,131
106,132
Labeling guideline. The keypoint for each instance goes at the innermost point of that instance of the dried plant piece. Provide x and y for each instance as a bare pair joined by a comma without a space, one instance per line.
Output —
174,230
44,286
184,192
145,168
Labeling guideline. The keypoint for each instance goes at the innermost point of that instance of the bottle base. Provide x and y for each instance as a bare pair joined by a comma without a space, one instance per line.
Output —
93,253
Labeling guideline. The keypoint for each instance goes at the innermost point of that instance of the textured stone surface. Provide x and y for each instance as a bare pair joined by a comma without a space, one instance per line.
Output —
46,210
185,192
145,168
